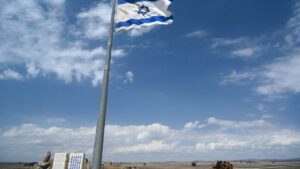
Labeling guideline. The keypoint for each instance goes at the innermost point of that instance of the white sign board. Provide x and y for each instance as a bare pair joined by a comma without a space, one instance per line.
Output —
76,161
60,161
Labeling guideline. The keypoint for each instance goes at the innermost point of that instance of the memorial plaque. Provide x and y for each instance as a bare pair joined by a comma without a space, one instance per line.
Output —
60,161
76,161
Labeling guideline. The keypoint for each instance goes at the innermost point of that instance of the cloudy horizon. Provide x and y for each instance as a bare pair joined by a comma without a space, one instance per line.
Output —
211,139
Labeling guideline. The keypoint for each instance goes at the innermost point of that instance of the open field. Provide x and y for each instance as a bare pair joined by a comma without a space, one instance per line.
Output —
14,166
179,165
208,165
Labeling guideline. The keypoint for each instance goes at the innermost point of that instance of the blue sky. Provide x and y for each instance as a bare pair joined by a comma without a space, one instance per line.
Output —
221,82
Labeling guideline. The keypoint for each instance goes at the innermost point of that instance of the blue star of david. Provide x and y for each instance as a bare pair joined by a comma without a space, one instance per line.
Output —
143,10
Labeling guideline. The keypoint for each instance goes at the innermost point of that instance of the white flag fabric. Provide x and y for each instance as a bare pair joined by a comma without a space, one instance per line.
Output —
141,13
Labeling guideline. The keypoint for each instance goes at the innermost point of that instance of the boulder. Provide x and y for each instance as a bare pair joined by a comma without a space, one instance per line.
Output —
47,156
222,165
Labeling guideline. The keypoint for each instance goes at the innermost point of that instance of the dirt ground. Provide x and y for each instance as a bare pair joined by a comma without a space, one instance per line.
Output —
202,165
14,166
256,165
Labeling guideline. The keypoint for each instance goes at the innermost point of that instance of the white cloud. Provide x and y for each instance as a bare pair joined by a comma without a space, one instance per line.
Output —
238,78
55,120
221,145
55,2
193,125
10,74
251,138
44,44
242,47
154,132
276,78
95,21
245,53
32,71
292,37
281,76
284,137
218,42
140,32
260,107
226,124
129,77
30,141
118,53
154,146
198,34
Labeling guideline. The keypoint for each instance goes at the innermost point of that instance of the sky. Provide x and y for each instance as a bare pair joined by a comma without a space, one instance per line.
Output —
220,83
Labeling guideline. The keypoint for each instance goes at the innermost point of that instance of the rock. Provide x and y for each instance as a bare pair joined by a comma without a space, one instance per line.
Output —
222,165
46,163
47,156
86,164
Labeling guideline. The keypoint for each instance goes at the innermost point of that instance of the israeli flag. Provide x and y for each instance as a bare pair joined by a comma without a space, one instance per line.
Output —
140,13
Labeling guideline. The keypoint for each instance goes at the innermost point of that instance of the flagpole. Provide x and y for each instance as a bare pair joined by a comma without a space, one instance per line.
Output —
99,137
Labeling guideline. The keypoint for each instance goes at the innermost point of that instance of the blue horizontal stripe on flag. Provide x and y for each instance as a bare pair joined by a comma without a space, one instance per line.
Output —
142,21
135,1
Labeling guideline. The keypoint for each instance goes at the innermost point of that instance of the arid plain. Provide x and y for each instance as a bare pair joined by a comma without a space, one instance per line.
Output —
178,165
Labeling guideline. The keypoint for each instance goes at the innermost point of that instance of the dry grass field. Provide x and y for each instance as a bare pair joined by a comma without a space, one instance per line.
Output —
14,166
256,165
202,165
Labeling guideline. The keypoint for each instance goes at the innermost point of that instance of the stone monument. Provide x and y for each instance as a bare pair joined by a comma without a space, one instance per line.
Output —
46,163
